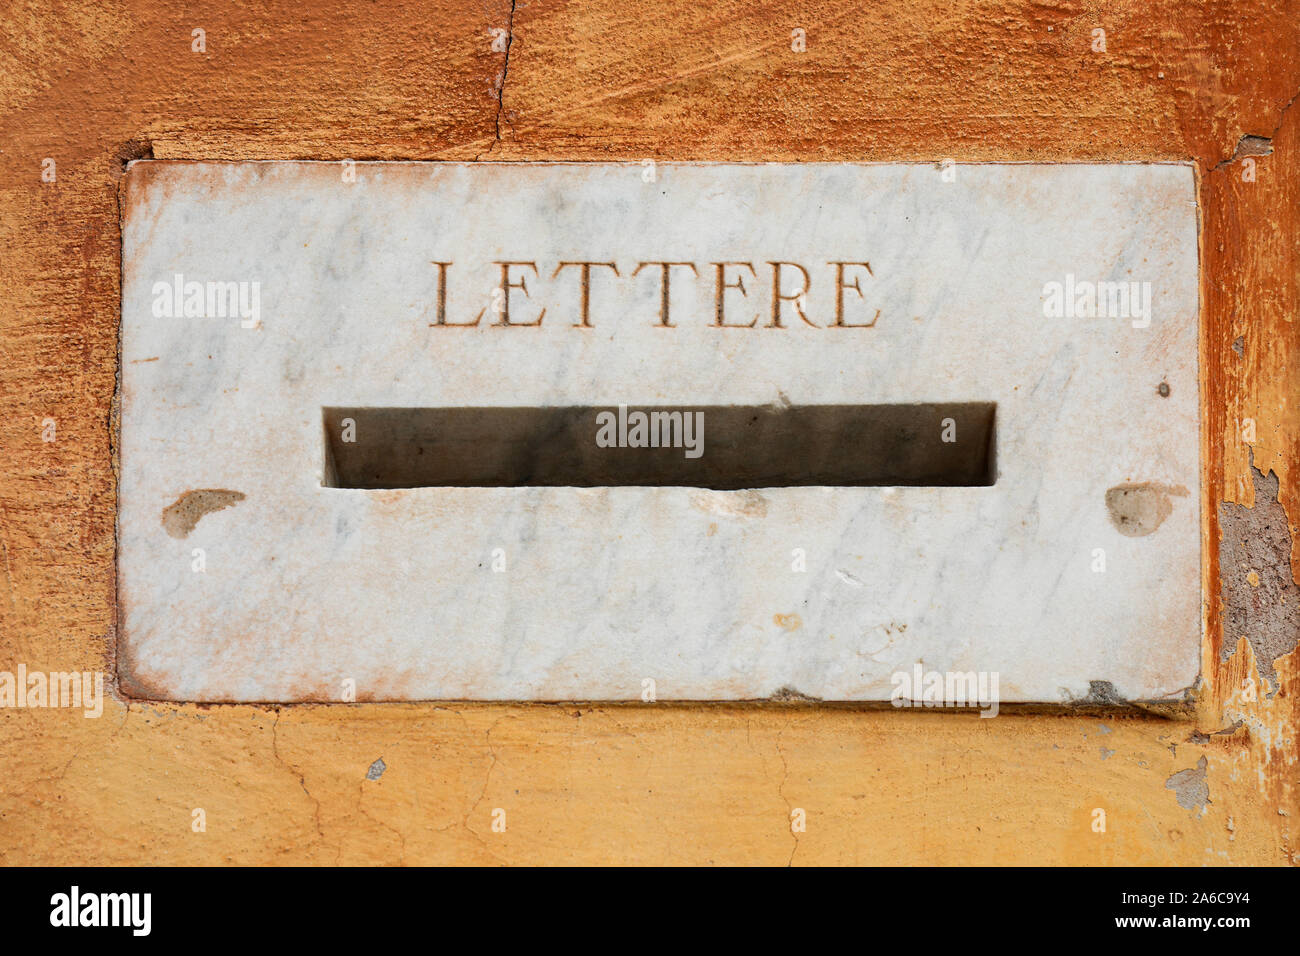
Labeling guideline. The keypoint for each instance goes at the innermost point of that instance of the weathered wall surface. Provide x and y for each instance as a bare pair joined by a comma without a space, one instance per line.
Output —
91,85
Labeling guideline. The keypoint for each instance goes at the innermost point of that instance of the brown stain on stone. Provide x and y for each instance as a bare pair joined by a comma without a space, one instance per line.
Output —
1139,509
730,504
135,683
788,622
181,516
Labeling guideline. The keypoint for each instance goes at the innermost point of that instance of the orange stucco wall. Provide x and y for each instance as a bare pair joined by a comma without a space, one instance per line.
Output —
92,85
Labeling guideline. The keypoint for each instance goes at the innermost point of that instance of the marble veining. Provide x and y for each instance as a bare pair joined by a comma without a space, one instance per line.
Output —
319,287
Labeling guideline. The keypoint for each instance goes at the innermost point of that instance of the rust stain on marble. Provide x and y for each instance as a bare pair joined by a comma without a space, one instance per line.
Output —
1139,509
183,515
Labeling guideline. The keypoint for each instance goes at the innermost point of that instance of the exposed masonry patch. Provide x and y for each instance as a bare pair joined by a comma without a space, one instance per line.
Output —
1139,509
133,149
788,695
1197,737
1101,692
181,516
1249,145
1261,600
1190,787
376,769
1253,146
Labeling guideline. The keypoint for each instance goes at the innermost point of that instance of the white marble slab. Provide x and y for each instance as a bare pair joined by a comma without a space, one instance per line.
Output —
242,577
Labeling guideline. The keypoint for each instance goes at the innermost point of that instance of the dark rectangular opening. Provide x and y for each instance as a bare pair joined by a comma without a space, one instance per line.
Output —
724,447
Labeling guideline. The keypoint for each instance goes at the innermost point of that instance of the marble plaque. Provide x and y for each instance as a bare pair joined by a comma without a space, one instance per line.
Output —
587,431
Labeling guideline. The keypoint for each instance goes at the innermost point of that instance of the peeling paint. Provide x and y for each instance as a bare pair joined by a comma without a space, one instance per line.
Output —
1190,786
1248,145
1261,600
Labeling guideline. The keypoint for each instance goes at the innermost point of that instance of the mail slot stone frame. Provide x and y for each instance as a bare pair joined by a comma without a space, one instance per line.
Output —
355,264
